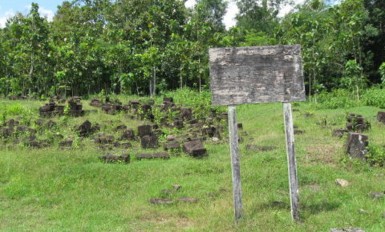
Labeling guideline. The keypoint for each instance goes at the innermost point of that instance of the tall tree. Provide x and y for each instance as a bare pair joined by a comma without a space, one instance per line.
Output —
28,56
375,44
259,15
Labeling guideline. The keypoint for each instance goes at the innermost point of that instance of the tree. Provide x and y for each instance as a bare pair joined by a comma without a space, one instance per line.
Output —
330,36
259,15
77,31
375,43
28,56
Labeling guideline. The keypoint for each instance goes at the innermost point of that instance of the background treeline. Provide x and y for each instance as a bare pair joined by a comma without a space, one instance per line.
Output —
149,46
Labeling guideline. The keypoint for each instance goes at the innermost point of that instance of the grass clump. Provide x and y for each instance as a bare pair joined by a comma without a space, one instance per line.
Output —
374,97
376,155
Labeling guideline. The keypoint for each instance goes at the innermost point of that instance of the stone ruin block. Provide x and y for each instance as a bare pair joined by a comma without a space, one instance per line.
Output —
110,158
178,123
168,100
339,132
6,132
213,113
211,131
149,141
357,123
240,126
172,145
186,114
96,103
33,142
11,123
161,201
159,155
168,103
146,109
134,104
121,127
112,108
224,116
356,145
75,107
47,109
59,110
128,134
86,129
124,145
13,127
51,109
381,117
17,97
50,124
66,143
104,139
194,148
144,130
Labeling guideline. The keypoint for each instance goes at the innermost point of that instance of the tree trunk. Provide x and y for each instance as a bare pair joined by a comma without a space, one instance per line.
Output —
200,83
30,74
180,78
154,83
150,87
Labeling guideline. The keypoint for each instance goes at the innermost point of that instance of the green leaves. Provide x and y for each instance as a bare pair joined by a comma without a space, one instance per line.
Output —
382,72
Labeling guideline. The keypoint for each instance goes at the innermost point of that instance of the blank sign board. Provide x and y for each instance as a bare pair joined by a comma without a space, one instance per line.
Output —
256,74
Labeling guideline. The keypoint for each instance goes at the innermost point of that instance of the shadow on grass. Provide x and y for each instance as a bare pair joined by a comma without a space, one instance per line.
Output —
276,205
316,208
306,209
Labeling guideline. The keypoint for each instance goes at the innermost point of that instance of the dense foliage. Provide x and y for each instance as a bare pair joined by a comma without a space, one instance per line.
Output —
150,46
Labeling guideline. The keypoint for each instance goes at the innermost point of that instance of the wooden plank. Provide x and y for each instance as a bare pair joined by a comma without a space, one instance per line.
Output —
256,74
292,166
235,164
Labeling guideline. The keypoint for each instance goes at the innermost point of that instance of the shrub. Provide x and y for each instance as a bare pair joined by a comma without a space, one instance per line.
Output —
382,72
338,98
15,109
374,97
376,155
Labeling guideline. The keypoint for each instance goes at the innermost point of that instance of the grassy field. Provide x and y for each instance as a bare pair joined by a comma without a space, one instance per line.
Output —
51,189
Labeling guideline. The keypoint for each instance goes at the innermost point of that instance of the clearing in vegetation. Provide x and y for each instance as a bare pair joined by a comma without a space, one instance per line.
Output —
94,171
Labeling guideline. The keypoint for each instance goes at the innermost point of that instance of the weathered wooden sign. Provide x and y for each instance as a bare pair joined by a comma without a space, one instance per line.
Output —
256,74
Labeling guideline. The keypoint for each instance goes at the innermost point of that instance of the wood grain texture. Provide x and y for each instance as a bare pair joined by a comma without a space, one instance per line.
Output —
256,74
235,163
291,161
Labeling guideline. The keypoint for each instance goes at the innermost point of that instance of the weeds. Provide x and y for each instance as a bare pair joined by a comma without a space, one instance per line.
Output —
376,155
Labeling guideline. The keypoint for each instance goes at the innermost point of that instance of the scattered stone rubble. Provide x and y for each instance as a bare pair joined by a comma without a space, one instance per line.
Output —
192,130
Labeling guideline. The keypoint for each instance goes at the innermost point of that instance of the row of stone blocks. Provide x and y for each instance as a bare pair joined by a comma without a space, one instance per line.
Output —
50,109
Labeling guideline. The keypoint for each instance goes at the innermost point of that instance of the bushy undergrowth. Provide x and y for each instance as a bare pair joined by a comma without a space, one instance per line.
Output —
376,155
342,98
11,110
200,101
374,97
190,97
339,98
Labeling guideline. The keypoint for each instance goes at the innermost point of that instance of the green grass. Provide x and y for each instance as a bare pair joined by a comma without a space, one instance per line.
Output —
71,190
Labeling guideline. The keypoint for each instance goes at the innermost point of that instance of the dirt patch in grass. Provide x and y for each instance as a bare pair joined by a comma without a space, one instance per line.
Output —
323,153
180,222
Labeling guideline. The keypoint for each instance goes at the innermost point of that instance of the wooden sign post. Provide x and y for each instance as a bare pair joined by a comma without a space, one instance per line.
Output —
254,75
235,165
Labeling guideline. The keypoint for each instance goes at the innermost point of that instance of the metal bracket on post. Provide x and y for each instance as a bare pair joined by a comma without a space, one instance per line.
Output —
235,164
292,165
